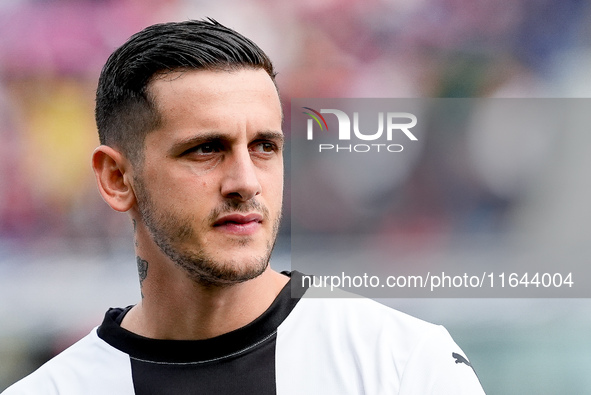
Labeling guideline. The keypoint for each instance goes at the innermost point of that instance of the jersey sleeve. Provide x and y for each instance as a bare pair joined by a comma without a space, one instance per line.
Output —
438,366
89,367
37,383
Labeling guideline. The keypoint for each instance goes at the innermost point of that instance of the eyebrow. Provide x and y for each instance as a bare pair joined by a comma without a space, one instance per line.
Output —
185,144
270,135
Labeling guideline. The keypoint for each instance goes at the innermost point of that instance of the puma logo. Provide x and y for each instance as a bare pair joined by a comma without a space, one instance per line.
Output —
460,359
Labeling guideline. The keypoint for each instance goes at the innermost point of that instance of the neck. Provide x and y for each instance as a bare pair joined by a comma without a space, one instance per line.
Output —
174,306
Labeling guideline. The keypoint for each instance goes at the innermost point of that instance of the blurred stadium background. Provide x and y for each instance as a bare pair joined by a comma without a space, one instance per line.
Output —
65,257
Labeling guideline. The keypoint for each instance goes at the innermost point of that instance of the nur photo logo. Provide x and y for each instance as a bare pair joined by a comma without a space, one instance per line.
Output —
396,124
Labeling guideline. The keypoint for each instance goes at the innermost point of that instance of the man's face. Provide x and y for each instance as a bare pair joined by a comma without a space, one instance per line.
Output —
210,186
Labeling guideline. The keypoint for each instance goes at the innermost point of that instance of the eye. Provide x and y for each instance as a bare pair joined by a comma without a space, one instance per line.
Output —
264,147
207,148
204,149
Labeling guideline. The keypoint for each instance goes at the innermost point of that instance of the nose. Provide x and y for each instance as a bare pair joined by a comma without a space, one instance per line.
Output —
240,180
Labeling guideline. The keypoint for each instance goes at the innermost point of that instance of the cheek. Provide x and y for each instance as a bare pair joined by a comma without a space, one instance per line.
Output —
274,185
183,194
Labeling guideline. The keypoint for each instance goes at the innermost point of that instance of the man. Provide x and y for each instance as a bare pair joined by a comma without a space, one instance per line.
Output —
190,124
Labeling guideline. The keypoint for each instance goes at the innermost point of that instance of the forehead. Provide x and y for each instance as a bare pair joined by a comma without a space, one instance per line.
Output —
216,99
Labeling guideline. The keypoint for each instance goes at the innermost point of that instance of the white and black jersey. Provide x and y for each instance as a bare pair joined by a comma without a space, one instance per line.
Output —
298,346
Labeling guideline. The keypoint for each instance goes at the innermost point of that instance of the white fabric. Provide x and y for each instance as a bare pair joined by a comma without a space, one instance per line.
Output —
357,346
324,346
89,367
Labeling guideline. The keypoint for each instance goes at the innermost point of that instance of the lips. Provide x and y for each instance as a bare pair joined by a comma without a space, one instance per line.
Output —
239,224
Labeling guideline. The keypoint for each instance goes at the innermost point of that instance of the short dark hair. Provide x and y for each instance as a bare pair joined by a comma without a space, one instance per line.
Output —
125,112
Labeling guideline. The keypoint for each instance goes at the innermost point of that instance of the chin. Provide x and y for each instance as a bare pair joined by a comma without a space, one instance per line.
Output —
224,268
232,272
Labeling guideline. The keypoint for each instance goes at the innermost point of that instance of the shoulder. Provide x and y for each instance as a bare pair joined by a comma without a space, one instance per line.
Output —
379,349
351,315
82,368
363,323
347,313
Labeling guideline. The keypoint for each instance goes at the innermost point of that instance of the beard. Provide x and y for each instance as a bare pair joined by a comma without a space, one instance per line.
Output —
170,231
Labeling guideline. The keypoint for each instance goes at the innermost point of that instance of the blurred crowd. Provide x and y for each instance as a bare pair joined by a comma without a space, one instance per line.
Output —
51,52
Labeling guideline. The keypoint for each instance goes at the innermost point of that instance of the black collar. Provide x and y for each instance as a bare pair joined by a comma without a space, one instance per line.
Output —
187,351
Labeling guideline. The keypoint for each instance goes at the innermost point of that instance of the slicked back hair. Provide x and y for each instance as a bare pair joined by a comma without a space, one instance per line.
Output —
125,112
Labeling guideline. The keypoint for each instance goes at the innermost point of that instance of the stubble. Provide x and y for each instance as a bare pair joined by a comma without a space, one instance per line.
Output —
170,231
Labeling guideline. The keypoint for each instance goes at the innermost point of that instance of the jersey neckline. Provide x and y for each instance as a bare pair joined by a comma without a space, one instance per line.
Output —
227,345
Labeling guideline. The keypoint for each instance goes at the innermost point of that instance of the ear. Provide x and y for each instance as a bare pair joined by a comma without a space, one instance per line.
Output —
113,176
